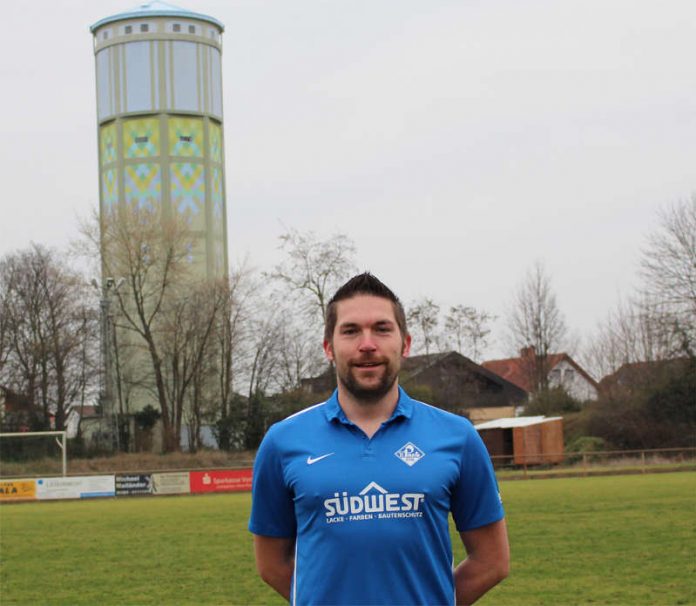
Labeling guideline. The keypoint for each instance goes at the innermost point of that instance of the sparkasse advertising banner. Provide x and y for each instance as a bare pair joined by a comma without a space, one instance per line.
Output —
13,490
132,484
221,480
77,487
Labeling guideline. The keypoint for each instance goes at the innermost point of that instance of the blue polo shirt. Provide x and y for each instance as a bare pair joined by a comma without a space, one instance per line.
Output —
370,516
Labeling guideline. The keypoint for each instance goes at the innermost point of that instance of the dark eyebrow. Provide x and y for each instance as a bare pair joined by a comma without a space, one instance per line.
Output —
384,323
378,323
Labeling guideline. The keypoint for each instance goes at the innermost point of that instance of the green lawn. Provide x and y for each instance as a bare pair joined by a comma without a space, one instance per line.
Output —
627,540
605,540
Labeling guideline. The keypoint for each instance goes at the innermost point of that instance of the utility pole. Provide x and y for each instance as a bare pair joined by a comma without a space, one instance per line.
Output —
106,395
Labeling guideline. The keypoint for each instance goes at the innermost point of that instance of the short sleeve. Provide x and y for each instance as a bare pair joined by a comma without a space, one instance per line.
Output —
272,508
476,499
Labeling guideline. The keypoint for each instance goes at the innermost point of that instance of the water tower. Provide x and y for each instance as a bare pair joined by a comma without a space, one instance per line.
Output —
159,115
161,146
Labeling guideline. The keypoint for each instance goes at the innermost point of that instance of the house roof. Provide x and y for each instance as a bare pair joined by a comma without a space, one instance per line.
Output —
415,365
510,422
513,369
636,374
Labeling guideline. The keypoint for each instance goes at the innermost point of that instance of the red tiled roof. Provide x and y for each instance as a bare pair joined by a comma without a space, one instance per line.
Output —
516,370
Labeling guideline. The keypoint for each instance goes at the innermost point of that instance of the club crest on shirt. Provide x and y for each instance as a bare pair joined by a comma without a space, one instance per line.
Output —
410,454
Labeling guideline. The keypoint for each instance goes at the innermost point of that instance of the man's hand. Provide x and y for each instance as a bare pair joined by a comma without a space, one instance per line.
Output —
275,562
487,562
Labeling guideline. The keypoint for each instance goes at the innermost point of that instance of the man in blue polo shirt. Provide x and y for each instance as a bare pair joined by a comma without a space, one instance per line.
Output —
351,497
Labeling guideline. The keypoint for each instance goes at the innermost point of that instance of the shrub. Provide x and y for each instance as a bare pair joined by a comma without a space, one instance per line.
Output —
587,444
552,401
147,417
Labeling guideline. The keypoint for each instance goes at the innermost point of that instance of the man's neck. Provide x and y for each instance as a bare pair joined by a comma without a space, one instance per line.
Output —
368,416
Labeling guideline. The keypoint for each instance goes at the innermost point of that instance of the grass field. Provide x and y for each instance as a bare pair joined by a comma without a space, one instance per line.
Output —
606,540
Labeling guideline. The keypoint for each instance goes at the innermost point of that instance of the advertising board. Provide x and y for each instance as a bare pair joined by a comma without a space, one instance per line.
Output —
14,490
76,487
221,480
132,484
171,483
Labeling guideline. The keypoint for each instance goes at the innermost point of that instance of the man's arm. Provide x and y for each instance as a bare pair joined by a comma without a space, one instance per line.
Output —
487,562
275,561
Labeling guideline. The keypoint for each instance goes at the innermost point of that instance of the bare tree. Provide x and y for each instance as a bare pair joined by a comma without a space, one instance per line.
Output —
633,332
5,309
536,325
263,348
49,332
659,321
314,268
669,271
299,354
231,345
187,346
151,254
423,318
468,327
263,360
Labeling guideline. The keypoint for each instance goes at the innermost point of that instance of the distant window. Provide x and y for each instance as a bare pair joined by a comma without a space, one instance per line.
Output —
569,375
555,375
176,27
185,139
128,29
192,29
144,27
105,35
142,139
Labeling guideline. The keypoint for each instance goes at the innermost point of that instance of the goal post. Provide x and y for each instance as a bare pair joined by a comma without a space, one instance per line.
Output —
59,434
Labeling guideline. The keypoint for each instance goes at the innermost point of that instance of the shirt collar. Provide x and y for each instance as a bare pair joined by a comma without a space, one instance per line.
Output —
333,410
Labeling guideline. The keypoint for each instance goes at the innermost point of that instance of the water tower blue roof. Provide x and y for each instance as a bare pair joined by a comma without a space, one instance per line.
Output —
155,8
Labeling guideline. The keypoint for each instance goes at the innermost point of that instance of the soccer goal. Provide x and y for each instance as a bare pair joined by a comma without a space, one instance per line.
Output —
60,438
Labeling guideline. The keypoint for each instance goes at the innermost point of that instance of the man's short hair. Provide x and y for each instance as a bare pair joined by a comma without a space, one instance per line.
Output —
363,284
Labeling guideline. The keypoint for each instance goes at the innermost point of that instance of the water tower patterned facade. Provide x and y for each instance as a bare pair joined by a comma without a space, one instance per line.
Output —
159,111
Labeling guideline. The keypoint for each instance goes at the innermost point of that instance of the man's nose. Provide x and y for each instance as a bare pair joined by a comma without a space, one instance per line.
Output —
367,342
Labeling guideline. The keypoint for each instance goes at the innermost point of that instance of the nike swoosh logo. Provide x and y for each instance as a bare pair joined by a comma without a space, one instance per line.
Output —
312,461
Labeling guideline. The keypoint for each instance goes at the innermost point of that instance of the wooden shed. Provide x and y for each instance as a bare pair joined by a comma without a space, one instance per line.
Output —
523,440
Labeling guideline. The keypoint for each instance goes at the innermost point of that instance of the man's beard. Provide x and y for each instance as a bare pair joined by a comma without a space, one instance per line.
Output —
369,395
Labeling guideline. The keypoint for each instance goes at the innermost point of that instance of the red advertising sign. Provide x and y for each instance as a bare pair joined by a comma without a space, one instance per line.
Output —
221,480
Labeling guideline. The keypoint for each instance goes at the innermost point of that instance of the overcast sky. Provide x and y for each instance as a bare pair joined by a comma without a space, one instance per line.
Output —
455,141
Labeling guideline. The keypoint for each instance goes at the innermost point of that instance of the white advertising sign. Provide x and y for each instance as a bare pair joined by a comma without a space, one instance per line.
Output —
171,483
78,487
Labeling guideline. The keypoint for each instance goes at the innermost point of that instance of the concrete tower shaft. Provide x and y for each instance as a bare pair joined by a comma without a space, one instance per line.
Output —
159,112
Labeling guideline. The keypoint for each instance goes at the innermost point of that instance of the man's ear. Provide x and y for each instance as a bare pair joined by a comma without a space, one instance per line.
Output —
328,351
407,347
